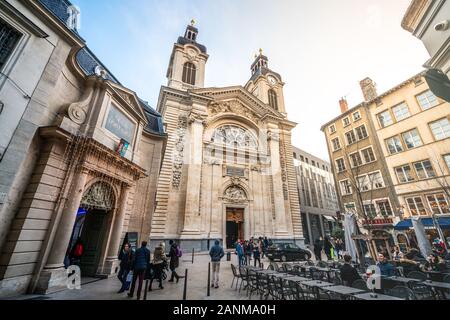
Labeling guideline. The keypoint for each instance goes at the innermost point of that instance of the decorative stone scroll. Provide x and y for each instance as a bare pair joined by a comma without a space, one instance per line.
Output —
235,194
99,196
232,107
178,160
77,111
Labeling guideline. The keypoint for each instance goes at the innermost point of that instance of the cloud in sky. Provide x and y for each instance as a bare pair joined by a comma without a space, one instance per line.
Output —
322,48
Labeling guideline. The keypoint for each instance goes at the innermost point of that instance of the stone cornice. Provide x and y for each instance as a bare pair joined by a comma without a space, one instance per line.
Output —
414,14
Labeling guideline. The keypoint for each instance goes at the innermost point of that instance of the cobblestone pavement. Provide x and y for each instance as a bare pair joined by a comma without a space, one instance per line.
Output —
196,286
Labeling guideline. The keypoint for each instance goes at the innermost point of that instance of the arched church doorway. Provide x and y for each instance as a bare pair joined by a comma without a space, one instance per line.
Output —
90,228
235,226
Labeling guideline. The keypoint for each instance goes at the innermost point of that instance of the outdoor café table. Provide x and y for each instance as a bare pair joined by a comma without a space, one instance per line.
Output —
282,275
265,271
368,296
327,271
441,287
401,279
343,290
316,285
298,279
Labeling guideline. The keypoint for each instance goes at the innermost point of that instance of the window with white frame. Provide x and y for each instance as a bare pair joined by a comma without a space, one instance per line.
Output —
340,165
332,129
438,203
384,207
416,207
427,100
401,111
376,180
404,174
440,129
363,183
369,209
394,145
368,155
356,116
351,138
424,170
355,160
346,121
336,144
361,132
412,139
447,161
385,118
346,187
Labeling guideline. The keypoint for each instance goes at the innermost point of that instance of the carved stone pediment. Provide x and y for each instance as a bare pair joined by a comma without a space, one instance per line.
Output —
234,107
235,194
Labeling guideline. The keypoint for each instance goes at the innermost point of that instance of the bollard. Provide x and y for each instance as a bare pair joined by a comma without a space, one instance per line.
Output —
145,289
208,289
193,255
185,284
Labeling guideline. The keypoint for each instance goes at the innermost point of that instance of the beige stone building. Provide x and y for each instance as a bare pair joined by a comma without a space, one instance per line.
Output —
429,21
76,148
317,194
228,171
413,127
362,180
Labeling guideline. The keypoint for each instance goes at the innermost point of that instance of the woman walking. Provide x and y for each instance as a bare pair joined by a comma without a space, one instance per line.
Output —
174,260
159,258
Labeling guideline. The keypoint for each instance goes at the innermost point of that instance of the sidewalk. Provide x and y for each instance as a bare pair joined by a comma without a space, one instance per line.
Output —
196,286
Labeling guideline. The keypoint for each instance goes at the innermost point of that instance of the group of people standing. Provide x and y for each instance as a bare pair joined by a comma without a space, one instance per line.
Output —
333,248
256,248
137,266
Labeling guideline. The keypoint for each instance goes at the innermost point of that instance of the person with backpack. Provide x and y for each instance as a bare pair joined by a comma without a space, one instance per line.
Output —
77,252
174,255
126,260
140,262
159,259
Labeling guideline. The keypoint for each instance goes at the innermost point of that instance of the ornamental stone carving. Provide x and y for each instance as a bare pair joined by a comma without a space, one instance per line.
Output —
283,170
77,111
232,107
235,194
178,159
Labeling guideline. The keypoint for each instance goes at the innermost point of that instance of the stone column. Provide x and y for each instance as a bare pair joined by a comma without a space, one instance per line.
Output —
116,233
278,195
192,220
53,276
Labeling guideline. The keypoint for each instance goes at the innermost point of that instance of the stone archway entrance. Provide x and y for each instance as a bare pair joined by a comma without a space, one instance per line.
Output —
91,227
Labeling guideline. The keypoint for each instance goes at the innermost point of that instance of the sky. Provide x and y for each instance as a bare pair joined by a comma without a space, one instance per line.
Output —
321,48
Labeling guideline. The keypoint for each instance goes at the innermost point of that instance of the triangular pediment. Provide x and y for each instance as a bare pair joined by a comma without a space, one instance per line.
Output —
237,100
130,99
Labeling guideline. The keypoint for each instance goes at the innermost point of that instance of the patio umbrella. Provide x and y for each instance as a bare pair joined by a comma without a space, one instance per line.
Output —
349,230
422,239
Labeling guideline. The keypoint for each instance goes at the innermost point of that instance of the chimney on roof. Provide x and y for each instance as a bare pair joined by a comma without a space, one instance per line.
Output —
344,105
369,89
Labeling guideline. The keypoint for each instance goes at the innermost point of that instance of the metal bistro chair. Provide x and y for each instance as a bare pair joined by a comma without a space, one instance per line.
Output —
262,285
318,275
446,279
271,287
271,267
322,264
252,282
287,267
417,275
337,280
236,276
243,272
360,284
402,292
421,291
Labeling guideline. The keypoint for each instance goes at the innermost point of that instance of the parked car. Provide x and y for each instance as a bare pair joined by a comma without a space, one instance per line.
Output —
287,252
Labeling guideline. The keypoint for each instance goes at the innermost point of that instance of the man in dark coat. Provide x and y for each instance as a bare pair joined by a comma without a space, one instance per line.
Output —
140,263
174,260
348,273
126,261
318,246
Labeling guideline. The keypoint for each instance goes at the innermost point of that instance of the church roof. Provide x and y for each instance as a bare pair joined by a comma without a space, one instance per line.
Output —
262,72
183,41
88,62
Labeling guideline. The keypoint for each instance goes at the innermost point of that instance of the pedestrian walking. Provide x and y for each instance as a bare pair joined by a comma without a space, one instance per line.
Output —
249,251
174,255
257,254
158,263
77,252
318,246
216,252
126,261
240,252
140,263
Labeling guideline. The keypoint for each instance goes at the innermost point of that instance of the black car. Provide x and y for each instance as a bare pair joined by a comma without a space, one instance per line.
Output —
287,252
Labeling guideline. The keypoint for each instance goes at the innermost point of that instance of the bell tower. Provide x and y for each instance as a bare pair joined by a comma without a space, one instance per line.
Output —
266,84
187,62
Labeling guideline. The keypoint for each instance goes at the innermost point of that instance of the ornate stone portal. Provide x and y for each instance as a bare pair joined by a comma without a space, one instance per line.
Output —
99,196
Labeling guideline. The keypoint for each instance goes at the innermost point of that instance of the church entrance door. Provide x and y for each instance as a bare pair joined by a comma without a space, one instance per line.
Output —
235,226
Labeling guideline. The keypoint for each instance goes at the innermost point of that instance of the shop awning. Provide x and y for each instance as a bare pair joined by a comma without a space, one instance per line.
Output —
331,219
406,224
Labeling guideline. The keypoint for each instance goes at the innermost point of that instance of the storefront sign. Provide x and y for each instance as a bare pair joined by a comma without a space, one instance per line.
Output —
119,124
379,221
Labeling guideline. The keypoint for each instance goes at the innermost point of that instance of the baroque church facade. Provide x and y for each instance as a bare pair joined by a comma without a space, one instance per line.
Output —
228,170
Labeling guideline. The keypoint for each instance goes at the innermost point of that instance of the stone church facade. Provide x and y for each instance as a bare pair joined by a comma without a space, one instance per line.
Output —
227,172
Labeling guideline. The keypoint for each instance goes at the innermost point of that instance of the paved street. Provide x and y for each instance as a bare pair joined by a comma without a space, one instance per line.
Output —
196,288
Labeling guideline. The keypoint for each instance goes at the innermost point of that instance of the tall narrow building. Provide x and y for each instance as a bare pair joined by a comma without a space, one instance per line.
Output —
228,171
